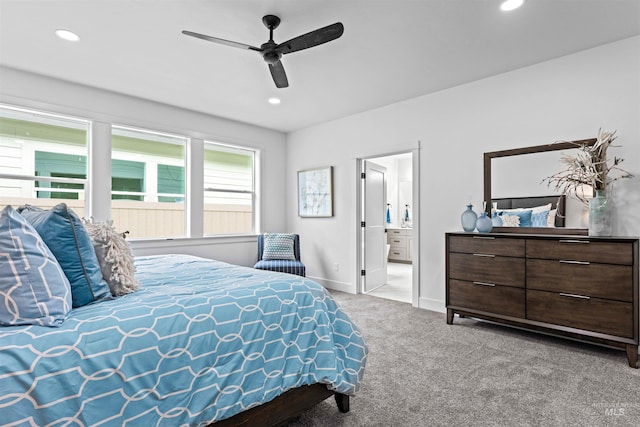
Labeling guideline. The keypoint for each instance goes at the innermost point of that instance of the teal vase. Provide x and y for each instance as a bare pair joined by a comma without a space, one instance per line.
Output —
600,215
468,219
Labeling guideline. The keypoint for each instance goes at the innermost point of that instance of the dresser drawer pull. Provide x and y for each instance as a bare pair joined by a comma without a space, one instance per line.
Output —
485,255
575,241
484,284
484,237
566,261
574,296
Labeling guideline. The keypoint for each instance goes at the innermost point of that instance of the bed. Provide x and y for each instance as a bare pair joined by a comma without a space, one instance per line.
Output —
536,214
557,205
200,342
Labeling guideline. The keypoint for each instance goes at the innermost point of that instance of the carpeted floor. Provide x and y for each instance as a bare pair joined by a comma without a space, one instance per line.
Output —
423,372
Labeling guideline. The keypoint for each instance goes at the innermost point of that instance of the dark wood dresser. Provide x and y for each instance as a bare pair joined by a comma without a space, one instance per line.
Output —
575,286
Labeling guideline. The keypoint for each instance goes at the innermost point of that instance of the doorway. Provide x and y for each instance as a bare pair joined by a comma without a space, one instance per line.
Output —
399,212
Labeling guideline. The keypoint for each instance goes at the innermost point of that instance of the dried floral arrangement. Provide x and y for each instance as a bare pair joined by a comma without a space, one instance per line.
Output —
589,166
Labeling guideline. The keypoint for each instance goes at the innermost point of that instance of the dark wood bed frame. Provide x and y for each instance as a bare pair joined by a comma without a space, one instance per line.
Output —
285,407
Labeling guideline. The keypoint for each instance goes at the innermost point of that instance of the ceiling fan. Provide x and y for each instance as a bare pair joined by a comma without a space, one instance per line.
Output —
272,52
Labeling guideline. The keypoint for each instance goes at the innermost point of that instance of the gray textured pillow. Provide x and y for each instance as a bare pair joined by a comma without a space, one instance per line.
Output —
114,255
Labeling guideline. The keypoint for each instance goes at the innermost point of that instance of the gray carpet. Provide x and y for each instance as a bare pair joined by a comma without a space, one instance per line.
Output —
423,372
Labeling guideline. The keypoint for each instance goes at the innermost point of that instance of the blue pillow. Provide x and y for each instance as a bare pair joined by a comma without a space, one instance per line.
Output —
540,219
62,230
33,287
278,246
524,215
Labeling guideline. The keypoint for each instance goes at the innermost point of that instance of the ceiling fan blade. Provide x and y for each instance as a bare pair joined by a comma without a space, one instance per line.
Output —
311,39
278,74
221,41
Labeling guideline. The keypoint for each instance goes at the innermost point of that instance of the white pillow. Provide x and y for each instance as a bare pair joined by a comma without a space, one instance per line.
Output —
510,220
115,256
551,219
534,210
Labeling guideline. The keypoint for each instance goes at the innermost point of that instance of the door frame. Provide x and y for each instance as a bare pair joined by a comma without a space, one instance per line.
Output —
415,241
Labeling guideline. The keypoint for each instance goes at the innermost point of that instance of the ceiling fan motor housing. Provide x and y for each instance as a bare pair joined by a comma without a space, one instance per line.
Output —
269,53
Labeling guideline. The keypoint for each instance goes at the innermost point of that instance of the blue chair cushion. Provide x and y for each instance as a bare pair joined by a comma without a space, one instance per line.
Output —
282,266
63,232
33,288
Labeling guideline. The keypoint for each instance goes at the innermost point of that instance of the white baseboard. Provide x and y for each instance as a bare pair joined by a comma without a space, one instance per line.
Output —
334,285
432,304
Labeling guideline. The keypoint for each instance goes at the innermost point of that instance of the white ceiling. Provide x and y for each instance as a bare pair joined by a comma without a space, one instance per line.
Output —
391,50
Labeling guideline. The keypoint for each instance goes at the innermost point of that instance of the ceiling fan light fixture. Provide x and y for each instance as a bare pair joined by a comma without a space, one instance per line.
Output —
509,5
67,35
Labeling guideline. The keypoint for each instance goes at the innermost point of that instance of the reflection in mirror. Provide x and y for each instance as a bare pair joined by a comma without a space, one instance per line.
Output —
522,176
521,172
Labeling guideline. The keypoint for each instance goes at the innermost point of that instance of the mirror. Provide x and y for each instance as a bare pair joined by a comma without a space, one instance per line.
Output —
519,172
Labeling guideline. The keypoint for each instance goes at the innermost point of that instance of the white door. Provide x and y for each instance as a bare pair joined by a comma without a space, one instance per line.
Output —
375,237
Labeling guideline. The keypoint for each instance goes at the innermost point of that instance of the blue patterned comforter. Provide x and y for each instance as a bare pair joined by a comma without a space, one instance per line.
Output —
201,341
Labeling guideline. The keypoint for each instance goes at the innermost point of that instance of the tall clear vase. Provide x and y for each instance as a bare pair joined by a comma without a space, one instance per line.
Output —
600,215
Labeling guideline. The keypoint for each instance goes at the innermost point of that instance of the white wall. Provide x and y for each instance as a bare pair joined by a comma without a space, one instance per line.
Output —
35,91
567,98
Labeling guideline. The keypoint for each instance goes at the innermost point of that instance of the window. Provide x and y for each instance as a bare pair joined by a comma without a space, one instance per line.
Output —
42,159
228,189
147,178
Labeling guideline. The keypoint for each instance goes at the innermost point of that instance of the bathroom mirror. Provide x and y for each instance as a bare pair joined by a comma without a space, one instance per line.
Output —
519,173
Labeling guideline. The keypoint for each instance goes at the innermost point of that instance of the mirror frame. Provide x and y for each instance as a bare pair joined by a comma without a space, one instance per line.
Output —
529,150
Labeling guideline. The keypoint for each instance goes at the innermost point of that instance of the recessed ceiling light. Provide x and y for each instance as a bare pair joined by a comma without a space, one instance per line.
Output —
511,4
274,101
67,35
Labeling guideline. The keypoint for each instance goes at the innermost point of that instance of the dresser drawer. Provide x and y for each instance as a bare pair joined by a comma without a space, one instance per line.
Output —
497,299
581,250
489,269
487,245
593,314
590,279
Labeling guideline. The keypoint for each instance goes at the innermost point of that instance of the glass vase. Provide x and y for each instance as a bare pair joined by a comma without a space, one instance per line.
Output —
483,224
496,221
468,219
600,215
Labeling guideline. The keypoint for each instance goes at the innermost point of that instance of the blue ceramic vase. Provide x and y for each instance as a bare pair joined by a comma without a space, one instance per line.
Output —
468,219
496,221
483,223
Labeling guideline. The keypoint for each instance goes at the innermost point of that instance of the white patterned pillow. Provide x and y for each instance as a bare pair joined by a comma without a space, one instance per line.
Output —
114,255
510,220
33,288
278,246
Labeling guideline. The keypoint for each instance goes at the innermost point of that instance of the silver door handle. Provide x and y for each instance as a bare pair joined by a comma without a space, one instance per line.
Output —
485,255
575,241
566,261
484,237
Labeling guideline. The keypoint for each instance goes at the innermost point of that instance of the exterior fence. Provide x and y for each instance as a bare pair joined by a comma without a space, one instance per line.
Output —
157,220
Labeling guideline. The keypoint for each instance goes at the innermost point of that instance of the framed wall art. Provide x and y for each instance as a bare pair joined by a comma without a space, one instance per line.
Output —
315,192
